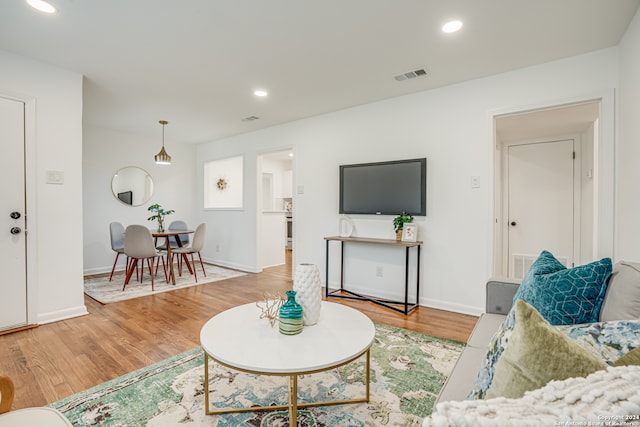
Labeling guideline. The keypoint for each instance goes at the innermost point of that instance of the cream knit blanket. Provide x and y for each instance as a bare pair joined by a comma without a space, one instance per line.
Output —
606,398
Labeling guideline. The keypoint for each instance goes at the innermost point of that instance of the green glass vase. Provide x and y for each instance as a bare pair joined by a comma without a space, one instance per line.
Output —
291,315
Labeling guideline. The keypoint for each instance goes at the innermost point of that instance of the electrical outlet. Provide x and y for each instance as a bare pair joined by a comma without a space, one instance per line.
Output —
379,271
217,248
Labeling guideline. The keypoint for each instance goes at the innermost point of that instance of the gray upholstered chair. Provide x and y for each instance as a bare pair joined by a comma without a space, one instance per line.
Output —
195,248
184,238
116,231
139,246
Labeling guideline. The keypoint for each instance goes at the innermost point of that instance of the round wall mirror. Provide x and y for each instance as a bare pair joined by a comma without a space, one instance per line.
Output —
132,186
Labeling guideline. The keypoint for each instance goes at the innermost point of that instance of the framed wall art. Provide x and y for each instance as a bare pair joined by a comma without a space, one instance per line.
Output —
223,186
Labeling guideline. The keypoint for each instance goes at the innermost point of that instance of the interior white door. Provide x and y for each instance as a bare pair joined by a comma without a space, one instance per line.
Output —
13,286
540,203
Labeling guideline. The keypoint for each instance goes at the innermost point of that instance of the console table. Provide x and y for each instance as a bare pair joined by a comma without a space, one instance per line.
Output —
406,307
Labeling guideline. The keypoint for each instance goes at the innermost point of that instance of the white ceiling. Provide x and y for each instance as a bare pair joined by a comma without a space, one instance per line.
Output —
196,63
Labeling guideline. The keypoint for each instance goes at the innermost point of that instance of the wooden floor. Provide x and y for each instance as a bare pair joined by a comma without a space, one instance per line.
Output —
56,360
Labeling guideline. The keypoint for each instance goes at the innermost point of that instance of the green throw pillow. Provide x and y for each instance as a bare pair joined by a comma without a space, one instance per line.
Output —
565,296
631,358
538,353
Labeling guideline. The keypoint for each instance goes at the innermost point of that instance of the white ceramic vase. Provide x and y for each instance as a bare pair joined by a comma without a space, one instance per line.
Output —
306,283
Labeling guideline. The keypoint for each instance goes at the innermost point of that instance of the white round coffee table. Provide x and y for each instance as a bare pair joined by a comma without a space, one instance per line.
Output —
231,338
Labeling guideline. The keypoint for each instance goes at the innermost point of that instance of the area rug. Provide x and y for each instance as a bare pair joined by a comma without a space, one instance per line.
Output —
408,370
105,291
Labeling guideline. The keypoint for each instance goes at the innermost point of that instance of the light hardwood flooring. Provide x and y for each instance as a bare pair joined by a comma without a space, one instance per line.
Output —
55,360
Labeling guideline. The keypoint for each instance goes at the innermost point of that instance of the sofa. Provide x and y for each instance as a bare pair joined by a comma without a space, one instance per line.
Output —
499,300
601,337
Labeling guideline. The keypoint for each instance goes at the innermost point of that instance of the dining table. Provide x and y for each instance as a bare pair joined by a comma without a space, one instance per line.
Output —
167,234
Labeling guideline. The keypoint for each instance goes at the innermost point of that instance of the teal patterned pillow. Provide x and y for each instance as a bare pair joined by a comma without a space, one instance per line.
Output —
565,296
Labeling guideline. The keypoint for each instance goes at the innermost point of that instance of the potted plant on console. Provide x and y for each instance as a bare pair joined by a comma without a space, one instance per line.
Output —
398,223
159,215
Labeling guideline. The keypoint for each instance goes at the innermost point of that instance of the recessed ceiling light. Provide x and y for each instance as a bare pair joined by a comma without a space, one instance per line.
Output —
452,26
260,93
42,6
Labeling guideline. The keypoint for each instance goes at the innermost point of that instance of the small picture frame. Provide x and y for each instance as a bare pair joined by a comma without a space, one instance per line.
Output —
409,233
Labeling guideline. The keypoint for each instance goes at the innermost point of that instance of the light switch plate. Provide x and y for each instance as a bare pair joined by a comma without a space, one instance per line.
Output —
55,177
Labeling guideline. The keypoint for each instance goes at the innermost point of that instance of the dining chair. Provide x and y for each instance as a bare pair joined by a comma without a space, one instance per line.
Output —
195,248
116,231
139,246
184,238
176,225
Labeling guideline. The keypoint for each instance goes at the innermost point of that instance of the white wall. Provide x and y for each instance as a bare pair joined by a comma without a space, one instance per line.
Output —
449,126
106,151
628,149
54,142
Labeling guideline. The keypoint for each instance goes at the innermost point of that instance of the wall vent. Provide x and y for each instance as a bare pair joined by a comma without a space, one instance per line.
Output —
410,75
520,263
250,118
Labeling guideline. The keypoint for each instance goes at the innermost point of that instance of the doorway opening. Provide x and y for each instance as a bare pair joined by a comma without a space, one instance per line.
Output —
547,179
275,207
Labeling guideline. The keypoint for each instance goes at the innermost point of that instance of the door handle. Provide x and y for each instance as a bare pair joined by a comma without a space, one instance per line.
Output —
513,223
15,230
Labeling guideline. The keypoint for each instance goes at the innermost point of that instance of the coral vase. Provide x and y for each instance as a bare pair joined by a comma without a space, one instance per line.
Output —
291,315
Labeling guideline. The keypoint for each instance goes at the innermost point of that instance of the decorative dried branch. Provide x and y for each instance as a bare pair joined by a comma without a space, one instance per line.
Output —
270,306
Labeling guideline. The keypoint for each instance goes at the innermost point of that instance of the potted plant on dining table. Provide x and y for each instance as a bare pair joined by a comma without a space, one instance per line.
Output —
159,214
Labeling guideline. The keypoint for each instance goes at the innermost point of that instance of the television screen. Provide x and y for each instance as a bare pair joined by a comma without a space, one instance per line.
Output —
384,188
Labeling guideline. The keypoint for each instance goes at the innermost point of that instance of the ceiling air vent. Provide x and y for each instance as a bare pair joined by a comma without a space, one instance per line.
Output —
411,75
250,118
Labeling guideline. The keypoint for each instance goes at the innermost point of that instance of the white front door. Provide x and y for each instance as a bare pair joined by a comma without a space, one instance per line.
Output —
13,286
540,203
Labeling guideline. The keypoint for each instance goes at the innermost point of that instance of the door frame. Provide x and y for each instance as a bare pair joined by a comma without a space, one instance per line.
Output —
30,179
604,187
577,193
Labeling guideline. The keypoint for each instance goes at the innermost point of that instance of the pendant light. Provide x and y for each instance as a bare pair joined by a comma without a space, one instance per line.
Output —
162,158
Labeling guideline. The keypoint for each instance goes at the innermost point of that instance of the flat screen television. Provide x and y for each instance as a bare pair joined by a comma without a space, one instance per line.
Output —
384,188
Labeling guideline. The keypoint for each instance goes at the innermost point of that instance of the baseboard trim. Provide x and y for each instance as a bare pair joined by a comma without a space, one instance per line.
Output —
447,306
424,302
56,316
234,266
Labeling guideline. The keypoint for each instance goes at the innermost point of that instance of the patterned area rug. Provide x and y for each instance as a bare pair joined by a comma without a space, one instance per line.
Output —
105,291
408,371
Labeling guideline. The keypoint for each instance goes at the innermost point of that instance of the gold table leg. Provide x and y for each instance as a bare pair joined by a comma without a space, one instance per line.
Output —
293,400
293,405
